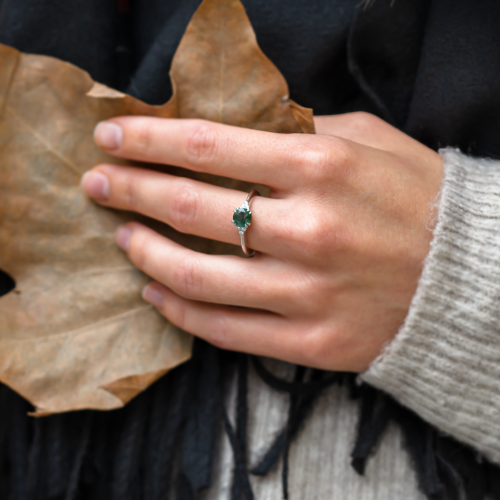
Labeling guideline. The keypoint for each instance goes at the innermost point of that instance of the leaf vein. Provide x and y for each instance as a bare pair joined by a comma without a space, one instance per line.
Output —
47,145
79,331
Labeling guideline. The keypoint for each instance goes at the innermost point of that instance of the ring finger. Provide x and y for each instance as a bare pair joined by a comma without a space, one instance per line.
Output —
187,205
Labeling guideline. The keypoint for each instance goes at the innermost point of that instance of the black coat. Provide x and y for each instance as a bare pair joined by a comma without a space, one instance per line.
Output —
430,67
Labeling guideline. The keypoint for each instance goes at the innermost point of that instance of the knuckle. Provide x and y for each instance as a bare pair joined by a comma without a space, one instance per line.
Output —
187,279
144,138
178,315
202,143
335,237
312,343
138,250
364,121
321,341
294,235
342,159
218,332
184,204
130,193
313,230
323,158
316,235
311,157
305,294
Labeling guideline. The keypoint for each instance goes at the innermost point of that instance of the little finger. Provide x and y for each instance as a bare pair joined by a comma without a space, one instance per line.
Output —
237,329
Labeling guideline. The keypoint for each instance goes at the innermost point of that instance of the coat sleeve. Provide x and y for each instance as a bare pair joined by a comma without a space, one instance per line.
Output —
444,363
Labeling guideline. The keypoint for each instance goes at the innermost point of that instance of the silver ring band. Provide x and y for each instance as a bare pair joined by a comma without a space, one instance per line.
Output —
242,218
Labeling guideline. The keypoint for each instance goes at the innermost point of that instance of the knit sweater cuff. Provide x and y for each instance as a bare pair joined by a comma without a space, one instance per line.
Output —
444,363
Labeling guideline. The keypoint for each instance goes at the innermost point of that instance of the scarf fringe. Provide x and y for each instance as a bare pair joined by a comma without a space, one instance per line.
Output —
163,443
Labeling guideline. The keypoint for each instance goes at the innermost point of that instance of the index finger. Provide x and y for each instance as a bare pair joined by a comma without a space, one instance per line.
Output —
248,155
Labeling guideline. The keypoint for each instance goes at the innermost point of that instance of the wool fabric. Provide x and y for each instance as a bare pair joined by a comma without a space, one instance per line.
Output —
445,361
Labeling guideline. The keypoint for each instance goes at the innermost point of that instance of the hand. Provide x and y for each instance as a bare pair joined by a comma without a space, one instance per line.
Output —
340,242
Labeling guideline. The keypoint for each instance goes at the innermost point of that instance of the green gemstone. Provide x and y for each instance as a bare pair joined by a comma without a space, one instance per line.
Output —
242,217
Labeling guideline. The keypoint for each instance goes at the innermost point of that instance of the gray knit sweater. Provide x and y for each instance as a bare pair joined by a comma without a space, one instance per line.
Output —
444,363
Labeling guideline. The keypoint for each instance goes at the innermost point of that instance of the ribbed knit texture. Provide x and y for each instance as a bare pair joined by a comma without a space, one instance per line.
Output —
320,458
445,361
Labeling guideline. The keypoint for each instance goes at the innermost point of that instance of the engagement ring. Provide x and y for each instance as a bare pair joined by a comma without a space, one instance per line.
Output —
242,218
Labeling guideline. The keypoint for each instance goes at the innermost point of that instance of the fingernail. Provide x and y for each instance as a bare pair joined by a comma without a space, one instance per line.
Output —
152,295
122,237
108,135
95,185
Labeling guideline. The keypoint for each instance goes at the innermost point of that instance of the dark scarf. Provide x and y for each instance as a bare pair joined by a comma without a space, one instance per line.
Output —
430,67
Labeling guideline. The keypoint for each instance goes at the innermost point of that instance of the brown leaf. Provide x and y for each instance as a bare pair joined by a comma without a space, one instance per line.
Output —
75,333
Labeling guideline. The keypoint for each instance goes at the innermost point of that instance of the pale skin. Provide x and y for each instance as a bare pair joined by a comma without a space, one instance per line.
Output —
340,242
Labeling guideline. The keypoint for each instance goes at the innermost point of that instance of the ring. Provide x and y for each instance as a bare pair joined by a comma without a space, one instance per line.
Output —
242,218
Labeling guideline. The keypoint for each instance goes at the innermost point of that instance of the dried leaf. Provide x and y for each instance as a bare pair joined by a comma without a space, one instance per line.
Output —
75,333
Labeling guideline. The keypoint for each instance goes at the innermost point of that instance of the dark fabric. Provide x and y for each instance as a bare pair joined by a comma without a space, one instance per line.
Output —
82,32
384,53
430,67
433,66
94,35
